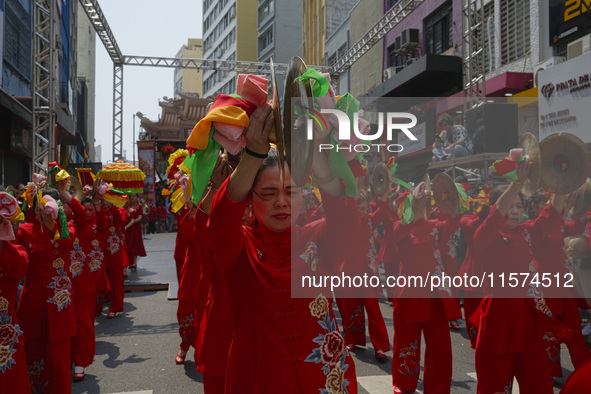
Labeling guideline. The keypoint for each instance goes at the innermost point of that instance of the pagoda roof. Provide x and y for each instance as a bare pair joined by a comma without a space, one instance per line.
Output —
178,117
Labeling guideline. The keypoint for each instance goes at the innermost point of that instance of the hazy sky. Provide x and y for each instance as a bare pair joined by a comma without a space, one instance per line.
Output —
148,28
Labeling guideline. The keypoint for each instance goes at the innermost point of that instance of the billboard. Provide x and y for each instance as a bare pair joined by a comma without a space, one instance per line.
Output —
147,161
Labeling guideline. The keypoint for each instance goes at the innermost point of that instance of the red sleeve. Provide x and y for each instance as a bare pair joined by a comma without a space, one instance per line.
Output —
69,242
488,229
449,226
79,212
380,213
200,221
467,222
548,221
573,228
14,261
117,221
102,221
187,228
225,228
399,231
124,217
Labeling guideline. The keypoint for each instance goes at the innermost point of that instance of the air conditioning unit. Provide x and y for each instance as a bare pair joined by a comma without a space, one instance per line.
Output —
409,38
389,73
546,64
578,47
233,12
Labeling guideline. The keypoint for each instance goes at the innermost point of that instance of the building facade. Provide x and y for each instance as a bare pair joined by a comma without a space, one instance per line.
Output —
73,78
279,32
314,31
229,28
366,72
16,117
338,38
189,80
86,70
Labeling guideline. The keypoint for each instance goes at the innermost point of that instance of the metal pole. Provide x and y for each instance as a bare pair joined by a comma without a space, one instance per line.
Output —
133,148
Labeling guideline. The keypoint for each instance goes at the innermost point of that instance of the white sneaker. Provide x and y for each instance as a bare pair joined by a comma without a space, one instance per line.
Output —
587,329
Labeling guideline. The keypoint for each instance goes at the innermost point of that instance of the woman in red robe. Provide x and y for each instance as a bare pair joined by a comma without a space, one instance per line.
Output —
194,286
363,259
513,319
215,316
114,258
180,243
563,302
281,344
13,364
45,311
189,279
419,247
472,295
133,232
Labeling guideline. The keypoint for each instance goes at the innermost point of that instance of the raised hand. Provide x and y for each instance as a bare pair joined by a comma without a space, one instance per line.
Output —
523,171
220,172
259,127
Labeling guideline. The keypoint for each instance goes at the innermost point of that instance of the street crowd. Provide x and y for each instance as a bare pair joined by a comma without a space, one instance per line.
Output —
246,228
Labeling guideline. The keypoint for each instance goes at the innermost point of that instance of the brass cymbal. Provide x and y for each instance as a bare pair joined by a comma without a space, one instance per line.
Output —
75,182
582,199
566,163
380,180
427,180
445,194
278,129
531,149
299,151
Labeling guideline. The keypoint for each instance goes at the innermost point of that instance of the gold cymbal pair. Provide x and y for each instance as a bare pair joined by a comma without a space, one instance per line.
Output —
560,163
290,136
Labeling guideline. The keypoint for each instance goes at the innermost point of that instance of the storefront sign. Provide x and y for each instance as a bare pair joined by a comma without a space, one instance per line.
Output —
568,17
565,98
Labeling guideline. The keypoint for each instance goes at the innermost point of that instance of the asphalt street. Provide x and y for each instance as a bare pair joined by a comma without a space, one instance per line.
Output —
135,351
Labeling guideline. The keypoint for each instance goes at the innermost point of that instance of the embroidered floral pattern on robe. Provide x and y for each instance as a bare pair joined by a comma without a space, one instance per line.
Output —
310,256
9,334
61,286
409,356
331,352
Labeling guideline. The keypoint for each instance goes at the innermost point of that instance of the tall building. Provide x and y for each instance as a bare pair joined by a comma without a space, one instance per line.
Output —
314,31
86,70
229,28
16,119
365,73
189,80
279,32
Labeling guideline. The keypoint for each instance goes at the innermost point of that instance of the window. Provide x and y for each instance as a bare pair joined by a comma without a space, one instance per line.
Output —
391,3
488,41
394,59
332,60
342,51
439,31
515,34
266,39
265,10
17,39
